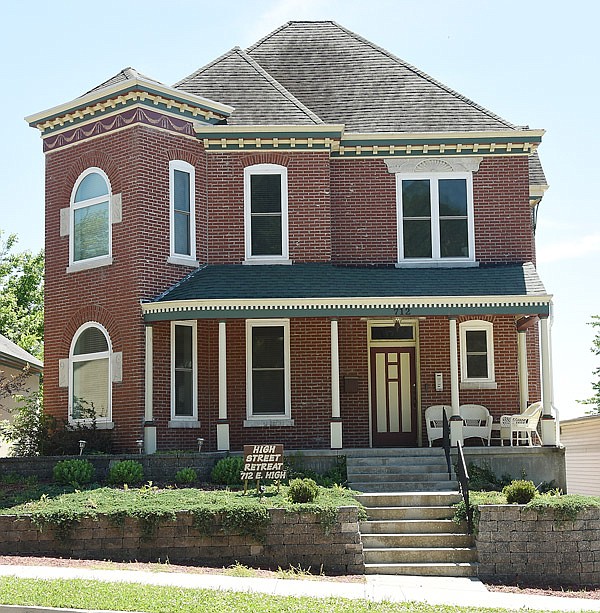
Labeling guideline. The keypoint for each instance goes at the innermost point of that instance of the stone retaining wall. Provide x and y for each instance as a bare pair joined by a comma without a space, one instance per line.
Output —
515,543
297,539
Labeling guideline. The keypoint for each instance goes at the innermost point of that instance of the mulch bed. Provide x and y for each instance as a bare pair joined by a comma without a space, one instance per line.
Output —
542,589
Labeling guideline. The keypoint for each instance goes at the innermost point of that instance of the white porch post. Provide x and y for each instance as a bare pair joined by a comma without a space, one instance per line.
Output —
548,423
149,425
523,371
336,423
222,425
456,429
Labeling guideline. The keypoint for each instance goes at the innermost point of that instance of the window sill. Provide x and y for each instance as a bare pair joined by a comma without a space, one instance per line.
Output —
437,264
181,260
183,423
478,385
89,264
267,262
100,425
275,422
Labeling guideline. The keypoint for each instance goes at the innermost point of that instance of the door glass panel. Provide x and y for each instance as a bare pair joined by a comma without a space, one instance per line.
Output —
382,333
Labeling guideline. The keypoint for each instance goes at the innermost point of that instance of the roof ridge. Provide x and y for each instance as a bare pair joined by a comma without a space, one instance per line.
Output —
279,87
423,75
262,72
267,36
206,66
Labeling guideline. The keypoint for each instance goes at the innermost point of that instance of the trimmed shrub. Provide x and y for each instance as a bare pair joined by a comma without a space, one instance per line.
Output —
520,492
303,490
186,476
227,471
73,472
127,472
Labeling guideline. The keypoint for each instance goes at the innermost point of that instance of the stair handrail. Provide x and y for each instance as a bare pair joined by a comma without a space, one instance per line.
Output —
446,442
463,483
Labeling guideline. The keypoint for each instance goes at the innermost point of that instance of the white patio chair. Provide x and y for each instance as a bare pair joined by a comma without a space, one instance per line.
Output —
523,425
433,419
477,422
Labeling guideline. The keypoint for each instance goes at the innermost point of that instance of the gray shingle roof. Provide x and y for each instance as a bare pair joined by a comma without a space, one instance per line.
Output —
345,78
536,172
236,281
126,74
10,352
236,79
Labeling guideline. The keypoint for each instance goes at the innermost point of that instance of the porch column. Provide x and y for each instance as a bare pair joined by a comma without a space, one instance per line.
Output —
548,423
222,425
336,422
523,373
456,425
149,425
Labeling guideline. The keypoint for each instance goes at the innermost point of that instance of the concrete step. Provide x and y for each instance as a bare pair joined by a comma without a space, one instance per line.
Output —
461,569
394,475
410,499
410,555
382,452
422,541
412,526
402,486
410,513
414,464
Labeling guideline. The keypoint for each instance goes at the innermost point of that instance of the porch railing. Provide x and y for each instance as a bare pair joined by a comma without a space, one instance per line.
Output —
463,483
446,442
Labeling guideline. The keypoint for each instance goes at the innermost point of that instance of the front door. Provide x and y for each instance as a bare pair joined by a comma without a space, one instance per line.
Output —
393,397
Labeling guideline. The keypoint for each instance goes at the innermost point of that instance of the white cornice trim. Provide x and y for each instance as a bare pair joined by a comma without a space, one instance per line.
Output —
433,164
428,136
299,304
113,90
235,129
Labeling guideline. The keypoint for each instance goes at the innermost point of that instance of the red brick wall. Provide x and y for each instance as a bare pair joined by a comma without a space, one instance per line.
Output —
309,210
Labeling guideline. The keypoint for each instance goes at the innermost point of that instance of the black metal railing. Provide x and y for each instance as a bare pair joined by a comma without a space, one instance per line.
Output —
446,442
463,483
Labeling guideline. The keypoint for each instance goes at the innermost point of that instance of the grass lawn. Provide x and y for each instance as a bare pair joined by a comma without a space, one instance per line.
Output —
80,594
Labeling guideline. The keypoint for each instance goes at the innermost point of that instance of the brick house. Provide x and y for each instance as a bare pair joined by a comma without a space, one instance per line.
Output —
306,242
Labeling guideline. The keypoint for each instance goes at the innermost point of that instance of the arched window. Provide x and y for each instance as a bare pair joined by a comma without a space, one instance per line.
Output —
90,374
90,217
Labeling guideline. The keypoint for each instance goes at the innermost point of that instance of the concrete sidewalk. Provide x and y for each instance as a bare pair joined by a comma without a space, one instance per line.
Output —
433,590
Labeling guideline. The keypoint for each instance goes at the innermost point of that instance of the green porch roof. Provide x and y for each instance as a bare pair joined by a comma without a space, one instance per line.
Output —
324,289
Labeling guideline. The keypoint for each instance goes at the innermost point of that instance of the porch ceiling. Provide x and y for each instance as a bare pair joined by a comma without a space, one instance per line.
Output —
323,289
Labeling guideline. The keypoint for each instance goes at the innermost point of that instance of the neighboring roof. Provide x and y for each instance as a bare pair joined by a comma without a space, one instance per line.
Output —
127,74
11,354
345,78
580,420
237,80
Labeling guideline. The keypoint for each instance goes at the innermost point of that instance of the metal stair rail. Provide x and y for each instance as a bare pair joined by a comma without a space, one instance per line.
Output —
463,484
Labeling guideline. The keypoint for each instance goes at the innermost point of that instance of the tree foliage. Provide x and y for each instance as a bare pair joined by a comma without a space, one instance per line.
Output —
22,296
594,401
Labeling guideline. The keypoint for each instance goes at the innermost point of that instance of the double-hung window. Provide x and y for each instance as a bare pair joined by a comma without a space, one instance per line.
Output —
90,221
266,213
268,369
184,368
90,375
477,353
182,212
435,218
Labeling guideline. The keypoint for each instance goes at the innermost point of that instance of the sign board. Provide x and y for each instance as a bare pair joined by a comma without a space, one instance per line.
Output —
263,462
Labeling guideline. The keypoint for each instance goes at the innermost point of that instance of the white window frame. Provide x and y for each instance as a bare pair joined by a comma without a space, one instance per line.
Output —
477,382
101,422
433,178
175,257
183,421
266,169
282,419
100,260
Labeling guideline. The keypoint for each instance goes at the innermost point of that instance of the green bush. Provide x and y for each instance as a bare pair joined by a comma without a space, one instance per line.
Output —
520,492
186,476
336,475
127,472
227,471
303,490
73,472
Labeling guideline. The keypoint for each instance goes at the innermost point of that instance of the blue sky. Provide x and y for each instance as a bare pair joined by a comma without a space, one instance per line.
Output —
532,62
